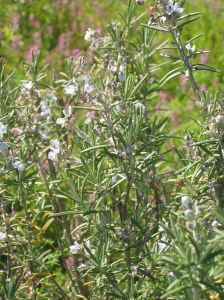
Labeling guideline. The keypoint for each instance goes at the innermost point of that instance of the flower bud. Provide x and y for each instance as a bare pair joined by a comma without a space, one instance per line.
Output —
140,2
219,120
185,201
188,213
215,224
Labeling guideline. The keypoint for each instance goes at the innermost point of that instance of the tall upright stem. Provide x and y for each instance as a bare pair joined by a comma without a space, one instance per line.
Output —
9,246
29,237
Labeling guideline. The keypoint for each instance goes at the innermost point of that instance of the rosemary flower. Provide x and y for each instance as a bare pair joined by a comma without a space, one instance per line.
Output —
185,201
3,129
173,8
75,248
2,236
18,165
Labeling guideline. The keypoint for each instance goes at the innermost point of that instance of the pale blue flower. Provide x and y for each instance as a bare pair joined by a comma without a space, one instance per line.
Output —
173,9
61,122
18,165
75,248
3,129
122,73
4,148
88,86
2,235
185,201
70,89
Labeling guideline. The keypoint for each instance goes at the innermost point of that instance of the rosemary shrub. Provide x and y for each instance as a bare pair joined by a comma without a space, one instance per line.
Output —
93,205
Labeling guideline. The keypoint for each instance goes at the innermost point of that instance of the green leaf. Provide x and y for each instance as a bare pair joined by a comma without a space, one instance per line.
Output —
154,27
138,85
172,74
203,67
174,291
189,15
84,213
180,25
95,148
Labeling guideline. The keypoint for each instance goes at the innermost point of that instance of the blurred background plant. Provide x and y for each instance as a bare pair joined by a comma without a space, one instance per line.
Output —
57,28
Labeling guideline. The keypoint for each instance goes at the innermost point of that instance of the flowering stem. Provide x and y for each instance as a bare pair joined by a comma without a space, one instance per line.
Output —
31,260
57,230
84,291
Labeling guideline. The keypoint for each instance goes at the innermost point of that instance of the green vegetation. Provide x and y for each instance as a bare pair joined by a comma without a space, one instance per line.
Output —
111,157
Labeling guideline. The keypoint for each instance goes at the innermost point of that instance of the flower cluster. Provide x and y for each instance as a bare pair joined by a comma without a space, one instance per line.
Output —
186,202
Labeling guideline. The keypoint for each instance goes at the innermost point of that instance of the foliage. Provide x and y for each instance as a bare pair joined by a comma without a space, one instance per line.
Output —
96,200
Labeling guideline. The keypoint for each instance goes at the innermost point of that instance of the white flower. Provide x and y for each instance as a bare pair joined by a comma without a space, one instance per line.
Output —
44,105
52,155
114,179
67,111
191,49
88,244
119,108
55,149
113,68
55,146
188,213
70,89
75,248
3,129
219,120
27,85
185,201
18,165
161,229
2,235
45,110
163,19
162,244
90,33
61,121
80,267
93,251
122,73
171,274
4,148
215,224
78,160
173,8
88,86
26,88
44,114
